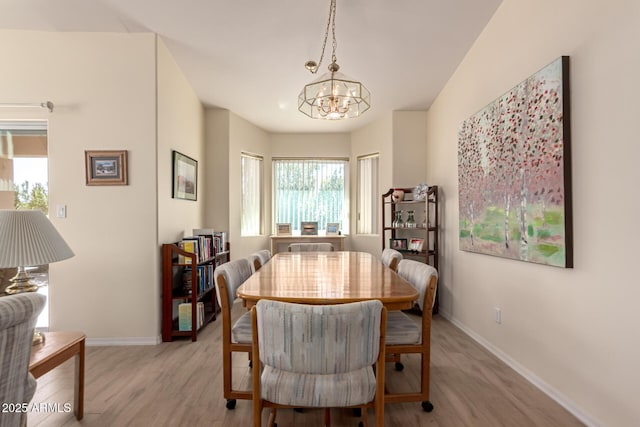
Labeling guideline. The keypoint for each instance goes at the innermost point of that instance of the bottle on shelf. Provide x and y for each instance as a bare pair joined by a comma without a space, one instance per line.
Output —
411,222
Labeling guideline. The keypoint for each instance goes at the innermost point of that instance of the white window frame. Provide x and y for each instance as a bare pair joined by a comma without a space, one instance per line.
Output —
252,187
367,194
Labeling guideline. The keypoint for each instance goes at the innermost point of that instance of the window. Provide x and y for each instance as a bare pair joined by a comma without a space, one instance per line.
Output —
310,190
24,170
251,195
367,218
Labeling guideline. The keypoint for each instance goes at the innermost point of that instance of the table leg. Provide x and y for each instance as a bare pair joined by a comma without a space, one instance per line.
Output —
79,386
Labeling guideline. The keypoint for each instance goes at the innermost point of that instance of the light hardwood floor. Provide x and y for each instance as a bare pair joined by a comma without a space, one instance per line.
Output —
180,384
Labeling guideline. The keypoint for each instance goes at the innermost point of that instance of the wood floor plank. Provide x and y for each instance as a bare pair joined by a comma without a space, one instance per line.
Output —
180,383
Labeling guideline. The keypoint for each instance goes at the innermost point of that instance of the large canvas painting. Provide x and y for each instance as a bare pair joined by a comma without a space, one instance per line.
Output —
514,172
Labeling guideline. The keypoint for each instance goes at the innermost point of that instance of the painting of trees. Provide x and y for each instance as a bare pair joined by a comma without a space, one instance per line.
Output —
514,172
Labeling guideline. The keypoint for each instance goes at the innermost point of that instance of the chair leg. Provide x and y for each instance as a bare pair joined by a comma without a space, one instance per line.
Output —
272,418
365,417
327,417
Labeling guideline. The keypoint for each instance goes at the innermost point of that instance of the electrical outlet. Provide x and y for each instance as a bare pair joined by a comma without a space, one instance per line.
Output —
498,315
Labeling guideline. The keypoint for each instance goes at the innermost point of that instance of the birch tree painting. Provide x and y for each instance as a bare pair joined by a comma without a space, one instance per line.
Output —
514,172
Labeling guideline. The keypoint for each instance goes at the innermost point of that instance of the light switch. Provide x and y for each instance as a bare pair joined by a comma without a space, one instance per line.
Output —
61,211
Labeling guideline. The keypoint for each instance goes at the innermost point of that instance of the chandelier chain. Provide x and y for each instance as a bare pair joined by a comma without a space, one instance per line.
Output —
331,24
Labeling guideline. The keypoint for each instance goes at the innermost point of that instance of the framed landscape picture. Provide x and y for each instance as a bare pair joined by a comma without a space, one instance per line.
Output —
514,172
185,177
106,167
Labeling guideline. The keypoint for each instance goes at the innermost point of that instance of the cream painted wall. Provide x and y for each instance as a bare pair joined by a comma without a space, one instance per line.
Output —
246,137
180,128
409,148
570,331
376,137
216,172
103,88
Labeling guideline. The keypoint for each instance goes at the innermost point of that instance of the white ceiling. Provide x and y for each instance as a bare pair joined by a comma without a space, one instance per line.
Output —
248,55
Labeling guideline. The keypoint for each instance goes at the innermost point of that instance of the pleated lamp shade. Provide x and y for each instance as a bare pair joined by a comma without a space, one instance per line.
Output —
28,238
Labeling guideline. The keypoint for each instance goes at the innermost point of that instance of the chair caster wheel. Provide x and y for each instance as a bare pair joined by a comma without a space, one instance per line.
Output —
427,406
231,404
399,366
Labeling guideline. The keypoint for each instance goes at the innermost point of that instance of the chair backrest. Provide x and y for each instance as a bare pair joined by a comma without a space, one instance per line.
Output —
233,273
259,258
318,339
423,277
391,258
18,315
310,247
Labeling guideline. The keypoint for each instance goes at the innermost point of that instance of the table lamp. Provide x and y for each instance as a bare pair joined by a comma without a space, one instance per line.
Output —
28,238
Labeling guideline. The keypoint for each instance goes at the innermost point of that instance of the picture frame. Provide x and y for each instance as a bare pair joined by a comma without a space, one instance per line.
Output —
398,244
416,244
514,172
333,228
283,229
309,228
185,177
106,167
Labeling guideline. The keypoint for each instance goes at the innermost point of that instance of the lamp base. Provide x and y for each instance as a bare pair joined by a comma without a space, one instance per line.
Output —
38,337
20,283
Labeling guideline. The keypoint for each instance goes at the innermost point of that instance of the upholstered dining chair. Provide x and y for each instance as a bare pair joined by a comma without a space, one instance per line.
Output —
259,258
18,315
318,356
310,247
405,336
236,335
391,258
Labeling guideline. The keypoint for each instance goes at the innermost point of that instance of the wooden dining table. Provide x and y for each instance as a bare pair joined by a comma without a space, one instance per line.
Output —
327,278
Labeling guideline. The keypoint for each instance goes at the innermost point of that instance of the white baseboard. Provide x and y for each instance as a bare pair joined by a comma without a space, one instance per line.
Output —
103,342
554,394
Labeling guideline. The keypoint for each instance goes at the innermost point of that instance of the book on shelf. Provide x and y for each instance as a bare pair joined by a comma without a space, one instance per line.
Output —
188,245
184,316
220,241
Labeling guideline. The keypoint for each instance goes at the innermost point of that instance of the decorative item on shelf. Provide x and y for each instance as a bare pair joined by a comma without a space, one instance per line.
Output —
411,222
420,191
398,244
309,228
415,245
29,239
397,221
332,96
397,195
283,229
333,228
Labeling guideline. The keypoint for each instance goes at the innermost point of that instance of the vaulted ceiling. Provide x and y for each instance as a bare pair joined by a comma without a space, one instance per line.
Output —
248,56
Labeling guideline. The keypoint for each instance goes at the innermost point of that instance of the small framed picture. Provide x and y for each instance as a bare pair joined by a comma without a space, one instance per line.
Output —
332,228
106,167
185,177
309,228
415,244
283,229
398,244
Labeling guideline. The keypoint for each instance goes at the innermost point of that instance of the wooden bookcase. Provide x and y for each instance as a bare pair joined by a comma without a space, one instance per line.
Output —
426,225
174,292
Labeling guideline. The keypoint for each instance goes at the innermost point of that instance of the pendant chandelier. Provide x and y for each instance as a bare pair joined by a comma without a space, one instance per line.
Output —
332,96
